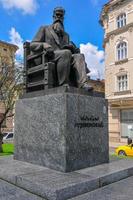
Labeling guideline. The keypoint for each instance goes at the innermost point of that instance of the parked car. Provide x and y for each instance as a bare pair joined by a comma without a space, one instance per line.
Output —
126,150
8,137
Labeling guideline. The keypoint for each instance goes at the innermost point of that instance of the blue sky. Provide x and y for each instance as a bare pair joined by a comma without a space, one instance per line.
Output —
20,19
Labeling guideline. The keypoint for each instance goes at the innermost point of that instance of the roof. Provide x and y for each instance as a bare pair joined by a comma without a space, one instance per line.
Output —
9,44
99,81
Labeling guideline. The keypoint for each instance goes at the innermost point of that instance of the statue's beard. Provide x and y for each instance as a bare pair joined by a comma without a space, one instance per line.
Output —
58,28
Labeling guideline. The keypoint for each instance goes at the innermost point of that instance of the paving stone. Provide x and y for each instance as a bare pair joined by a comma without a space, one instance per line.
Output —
112,172
11,192
46,182
10,169
122,190
55,185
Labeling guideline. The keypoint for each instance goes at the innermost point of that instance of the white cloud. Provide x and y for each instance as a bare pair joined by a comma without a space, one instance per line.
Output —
26,6
15,38
94,59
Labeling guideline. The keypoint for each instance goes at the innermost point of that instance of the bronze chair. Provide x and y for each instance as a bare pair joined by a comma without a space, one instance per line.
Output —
37,77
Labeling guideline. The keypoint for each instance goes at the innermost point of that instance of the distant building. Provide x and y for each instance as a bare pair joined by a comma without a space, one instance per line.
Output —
117,21
98,85
7,56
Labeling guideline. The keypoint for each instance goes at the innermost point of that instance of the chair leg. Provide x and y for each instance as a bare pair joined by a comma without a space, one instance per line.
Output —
46,73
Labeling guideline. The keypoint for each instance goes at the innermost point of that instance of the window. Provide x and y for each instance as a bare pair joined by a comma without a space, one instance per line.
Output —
10,136
121,20
5,49
121,51
127,123
122,83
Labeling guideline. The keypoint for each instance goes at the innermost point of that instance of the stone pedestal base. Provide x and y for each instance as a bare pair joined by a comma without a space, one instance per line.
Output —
63,131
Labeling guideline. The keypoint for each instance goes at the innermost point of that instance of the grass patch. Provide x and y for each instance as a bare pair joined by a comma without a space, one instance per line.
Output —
116,157
8,149
5,154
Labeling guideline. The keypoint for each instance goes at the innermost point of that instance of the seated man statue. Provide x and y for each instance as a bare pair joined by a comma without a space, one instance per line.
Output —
70,64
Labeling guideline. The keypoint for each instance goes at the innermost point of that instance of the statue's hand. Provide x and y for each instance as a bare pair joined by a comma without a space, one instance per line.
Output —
50,52
70,47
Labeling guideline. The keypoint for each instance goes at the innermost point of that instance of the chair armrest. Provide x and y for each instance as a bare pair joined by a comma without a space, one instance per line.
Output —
30,57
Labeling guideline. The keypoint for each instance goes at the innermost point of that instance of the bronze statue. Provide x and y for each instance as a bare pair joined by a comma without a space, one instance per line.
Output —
69,63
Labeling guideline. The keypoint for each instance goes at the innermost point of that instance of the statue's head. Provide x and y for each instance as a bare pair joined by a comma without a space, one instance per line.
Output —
58,14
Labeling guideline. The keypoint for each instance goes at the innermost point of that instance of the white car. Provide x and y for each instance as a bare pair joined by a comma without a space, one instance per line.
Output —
8,137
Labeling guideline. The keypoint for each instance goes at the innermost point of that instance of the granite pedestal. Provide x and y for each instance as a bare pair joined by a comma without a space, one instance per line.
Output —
63,131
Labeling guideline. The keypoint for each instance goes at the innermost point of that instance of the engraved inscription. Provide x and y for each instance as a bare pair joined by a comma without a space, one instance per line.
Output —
89,122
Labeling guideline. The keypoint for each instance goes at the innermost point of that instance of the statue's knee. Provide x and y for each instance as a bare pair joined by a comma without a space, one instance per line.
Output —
78,57
67,53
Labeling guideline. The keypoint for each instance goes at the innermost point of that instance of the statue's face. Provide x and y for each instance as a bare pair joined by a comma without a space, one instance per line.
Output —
58,17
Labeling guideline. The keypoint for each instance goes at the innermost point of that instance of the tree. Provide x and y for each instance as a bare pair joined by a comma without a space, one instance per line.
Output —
10,88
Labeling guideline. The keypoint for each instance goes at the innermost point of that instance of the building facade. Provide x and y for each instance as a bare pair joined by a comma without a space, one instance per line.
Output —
117,21
7,56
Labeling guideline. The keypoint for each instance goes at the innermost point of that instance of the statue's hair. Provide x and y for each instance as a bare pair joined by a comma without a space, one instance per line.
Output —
59,9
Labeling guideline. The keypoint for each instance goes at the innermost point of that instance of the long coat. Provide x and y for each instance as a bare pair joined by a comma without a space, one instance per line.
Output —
46,37
49,38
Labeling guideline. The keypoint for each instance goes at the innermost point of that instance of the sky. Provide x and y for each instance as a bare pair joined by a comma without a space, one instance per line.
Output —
21,19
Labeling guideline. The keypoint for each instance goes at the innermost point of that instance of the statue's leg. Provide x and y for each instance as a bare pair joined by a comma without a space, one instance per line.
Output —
79,68
63,62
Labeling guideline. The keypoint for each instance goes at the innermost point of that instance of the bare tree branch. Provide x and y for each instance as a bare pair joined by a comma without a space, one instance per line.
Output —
11,85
